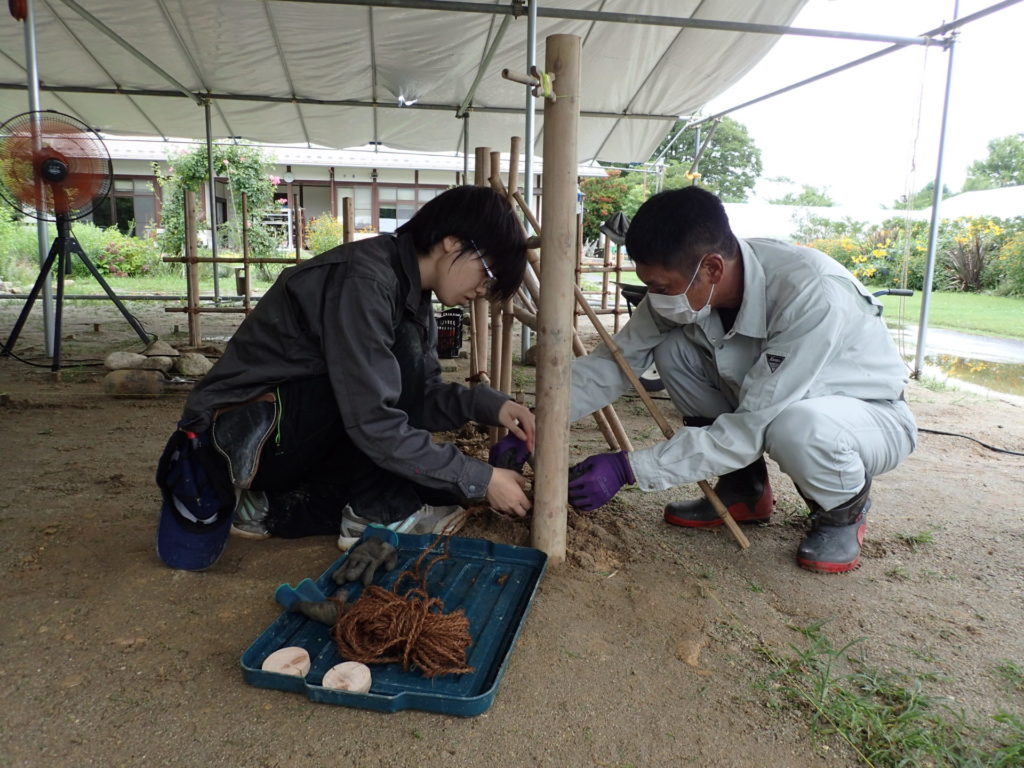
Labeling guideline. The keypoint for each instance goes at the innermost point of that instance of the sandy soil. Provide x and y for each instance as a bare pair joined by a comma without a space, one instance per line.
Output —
647,648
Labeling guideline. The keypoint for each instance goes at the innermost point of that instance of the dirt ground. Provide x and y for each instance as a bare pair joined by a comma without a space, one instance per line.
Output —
647,648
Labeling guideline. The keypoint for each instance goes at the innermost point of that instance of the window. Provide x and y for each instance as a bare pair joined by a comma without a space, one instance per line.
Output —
396,205
131,207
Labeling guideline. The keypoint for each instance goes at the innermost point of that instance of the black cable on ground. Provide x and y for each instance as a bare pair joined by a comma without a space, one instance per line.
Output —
973,439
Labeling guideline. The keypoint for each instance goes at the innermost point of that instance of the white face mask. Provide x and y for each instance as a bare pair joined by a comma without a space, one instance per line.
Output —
677,307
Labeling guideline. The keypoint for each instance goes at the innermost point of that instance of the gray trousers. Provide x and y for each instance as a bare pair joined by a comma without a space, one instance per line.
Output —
829,446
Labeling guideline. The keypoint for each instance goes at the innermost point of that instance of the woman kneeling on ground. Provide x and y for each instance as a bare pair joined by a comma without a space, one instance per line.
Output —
320,411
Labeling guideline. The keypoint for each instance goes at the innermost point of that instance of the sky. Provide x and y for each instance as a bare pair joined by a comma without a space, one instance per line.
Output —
871,134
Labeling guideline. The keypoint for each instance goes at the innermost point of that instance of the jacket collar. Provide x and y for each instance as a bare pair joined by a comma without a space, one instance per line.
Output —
409,264
751,320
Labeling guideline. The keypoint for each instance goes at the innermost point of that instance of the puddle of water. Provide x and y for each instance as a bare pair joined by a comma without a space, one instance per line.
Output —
1001,377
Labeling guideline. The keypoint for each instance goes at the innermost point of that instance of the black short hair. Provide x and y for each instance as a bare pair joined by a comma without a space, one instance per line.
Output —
676,228
476,215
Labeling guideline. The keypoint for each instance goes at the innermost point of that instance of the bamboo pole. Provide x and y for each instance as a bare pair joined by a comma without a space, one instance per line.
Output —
618,285
507,325
607,419
348,220
191,270
606,262
494,308
246,275
478,309
554,358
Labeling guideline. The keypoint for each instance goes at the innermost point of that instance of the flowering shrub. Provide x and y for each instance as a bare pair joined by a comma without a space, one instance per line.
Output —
971,243
1008,266
323,233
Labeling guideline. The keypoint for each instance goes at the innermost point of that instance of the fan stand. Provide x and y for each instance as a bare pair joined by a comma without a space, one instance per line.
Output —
63,246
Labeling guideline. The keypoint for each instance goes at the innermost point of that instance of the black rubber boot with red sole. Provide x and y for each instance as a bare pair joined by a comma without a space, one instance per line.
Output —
745,492
834,541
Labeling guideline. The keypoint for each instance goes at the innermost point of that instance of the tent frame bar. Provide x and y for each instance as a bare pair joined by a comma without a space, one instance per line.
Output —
315,102
515,9
184,91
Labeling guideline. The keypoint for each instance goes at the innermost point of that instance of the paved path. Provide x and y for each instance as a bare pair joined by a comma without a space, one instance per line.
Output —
940,341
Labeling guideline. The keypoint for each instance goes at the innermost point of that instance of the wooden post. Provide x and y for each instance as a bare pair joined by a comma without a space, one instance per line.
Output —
554,358
494,308
333,193
478,309
506,309
607,420
606,262
191,270
618,285
246,275
348,220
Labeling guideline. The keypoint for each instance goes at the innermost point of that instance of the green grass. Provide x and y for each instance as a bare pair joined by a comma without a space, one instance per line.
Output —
886,717
171,285
1013,673
967,312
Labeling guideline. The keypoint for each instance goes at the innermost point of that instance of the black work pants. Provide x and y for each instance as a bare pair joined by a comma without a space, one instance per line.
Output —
310,469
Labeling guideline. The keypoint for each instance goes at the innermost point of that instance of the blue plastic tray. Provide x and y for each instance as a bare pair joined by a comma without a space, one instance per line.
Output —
493,583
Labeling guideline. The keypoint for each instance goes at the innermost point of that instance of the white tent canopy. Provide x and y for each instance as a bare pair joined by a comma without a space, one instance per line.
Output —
332,72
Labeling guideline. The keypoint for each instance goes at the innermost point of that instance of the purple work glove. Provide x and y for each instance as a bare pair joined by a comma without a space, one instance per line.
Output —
509,453
594,481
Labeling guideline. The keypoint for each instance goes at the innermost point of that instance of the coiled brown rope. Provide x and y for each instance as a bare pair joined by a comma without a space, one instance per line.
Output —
384,626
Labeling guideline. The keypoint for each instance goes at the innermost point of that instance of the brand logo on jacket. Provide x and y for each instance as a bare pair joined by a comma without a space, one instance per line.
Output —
774,361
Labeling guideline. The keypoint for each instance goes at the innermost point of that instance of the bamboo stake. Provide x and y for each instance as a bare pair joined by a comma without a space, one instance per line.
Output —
246,274
478,309
191,270
554,359
506,308
348,219
607,419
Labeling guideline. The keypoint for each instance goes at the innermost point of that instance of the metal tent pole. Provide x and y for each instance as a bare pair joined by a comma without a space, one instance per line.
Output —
929,271
212,206
529,132
42,230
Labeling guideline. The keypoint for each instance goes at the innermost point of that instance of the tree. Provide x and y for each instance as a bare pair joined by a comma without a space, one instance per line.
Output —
1004,166
729,167
922,198
809,195
247,170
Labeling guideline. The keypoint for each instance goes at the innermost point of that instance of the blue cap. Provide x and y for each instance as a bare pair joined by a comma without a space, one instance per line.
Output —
195,514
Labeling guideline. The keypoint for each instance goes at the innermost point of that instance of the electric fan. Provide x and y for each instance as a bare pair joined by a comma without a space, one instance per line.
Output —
54,167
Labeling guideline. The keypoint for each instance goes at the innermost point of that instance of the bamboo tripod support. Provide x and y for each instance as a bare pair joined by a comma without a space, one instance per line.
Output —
652,408
607,419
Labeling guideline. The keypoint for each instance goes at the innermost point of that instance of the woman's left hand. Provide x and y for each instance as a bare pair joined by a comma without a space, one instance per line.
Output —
519,420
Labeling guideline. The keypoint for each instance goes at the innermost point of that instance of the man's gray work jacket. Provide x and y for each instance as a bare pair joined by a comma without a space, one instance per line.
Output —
336,314
805,328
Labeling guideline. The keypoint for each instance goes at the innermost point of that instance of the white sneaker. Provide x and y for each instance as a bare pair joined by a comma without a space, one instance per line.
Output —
249,520
427,519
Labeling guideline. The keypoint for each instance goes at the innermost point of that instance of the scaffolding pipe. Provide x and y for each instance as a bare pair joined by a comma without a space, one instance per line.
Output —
212,197
933,230
42,230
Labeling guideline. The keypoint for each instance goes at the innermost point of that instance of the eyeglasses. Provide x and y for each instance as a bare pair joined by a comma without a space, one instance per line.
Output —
491,279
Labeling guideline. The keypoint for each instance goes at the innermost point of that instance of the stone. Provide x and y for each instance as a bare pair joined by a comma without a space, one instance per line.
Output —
192,364
117,361
161,349
160,363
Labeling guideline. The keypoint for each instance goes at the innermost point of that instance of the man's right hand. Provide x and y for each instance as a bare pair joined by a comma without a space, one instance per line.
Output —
505,492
